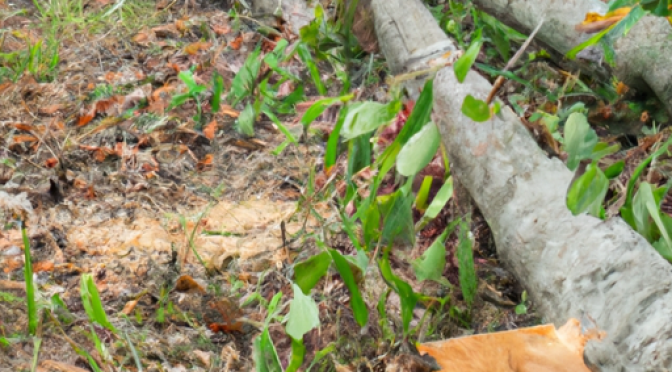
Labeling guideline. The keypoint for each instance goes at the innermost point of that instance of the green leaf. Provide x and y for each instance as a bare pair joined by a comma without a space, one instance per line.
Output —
437,204
371,225
246,121
359,309
419,150
310,271
521,309
31,303
365,117
92,304
303,314
654,211
408,298
298,354
188,78
614,170
317,108
423,193
603,149
431,264
587,192
590,42
217,90
307,59
635,176
421,114
331,153
264,354
465,261
464,63
397,213
475,109
243,82
580,139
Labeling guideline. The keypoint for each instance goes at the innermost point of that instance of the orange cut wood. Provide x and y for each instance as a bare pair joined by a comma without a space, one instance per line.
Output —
540,348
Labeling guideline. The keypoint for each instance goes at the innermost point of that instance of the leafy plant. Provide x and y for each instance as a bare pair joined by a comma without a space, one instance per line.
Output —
92,304
194,92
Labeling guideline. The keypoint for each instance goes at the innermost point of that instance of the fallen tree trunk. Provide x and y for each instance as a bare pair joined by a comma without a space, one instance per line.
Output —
571,265
643,56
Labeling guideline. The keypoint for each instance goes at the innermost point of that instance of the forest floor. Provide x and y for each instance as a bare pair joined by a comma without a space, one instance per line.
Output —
187,227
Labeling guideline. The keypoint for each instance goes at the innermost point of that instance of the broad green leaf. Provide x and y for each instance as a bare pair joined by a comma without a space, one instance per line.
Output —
614,170
437,204
246,121
359,154
465,261
580,139
371,225
243,82
421,114
310,271
587,192
521,309
431,264
419,150
408,298
92,304
264,354
317,108
359,309
397,213
464,63
365,117
298,354
603,149
303,314
654,211
475,109
658,8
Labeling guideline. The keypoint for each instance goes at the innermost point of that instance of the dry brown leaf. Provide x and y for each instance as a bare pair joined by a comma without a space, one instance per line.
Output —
236,43
187,284
209,130
51,162
541,348
595,22
43,266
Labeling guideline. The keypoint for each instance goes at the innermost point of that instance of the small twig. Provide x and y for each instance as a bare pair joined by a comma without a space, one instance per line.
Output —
500,79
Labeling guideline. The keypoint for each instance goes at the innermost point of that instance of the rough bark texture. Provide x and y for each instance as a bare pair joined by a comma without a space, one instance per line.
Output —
571,266
643,56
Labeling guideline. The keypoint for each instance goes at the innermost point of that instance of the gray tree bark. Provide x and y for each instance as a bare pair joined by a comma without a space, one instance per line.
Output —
571,265
643,56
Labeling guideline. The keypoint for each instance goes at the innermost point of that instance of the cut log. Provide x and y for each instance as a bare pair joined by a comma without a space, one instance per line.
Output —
643,56
572,266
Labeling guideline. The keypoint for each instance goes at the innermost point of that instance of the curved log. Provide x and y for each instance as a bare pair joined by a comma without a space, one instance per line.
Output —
571,265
